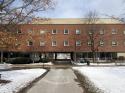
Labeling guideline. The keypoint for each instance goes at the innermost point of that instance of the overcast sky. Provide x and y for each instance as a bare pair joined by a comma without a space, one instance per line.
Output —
78,8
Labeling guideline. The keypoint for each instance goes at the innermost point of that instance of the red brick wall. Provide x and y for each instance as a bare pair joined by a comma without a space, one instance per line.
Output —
71,37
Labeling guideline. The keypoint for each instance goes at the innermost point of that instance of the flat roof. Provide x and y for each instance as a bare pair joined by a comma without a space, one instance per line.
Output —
74,21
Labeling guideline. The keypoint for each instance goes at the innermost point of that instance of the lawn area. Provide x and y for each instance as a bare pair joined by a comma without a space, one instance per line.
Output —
107,79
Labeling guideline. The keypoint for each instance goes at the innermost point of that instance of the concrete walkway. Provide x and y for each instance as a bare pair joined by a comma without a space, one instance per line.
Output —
57,81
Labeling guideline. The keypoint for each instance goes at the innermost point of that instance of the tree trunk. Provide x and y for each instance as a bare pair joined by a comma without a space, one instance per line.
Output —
55,56
1,58
74,56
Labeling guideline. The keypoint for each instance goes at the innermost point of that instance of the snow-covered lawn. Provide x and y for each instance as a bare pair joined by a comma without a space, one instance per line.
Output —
19,79
108,79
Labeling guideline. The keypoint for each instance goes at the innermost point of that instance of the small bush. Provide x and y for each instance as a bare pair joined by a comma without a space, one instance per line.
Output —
44,60
20,60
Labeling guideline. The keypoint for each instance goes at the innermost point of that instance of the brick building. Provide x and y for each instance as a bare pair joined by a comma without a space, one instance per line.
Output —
53,37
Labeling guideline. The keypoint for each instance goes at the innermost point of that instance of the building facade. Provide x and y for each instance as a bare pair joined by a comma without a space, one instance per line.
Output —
51,37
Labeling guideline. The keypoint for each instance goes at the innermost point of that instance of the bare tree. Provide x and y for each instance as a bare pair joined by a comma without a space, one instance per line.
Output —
15,12
21,11
92,32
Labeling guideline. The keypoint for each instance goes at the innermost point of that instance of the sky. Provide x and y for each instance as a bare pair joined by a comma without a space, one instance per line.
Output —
78,8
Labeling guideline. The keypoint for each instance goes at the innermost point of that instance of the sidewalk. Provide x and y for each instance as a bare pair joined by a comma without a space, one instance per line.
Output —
57,81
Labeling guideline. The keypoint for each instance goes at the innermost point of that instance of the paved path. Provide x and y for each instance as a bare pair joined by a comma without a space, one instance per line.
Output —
57,81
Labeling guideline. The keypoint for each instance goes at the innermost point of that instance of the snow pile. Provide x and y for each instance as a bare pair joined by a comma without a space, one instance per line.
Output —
108,79
49,63
19,79
5,66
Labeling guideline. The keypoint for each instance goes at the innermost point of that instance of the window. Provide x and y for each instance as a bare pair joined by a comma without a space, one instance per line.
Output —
124,32
101,43
66,31
78,32
114,31
54,31
102,32
19,31
90,32
42,32
89,43
30,31
124,42
78,43
30,43
54,43
42,43
66,43
114,43
17,44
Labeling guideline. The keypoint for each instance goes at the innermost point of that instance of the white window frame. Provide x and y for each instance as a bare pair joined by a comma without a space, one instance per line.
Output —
89,43
54,32
19,31
30,31
54,43
42,43
101,43
114,31
78,43
42,32
66,43
90,33
78,32
124,32
28,43
101,32
124,43
65,31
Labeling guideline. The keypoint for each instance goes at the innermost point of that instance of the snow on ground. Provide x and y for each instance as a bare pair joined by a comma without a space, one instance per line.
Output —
5,66
108,79
100,64
48,63
19,79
